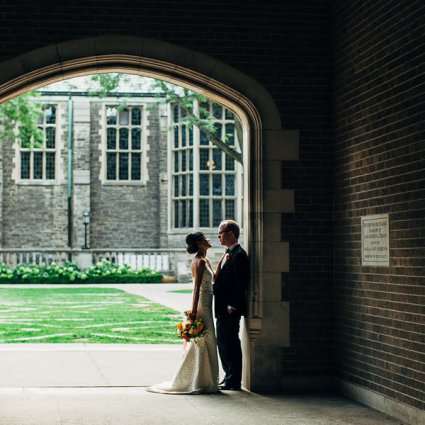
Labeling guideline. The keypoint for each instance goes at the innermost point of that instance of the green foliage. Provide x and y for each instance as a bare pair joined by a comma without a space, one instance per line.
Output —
19,118
201,117
102,272
105,82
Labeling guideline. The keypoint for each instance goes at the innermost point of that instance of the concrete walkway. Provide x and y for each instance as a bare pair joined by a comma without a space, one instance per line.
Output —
94,384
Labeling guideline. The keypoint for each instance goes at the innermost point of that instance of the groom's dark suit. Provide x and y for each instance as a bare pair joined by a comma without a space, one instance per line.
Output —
230,288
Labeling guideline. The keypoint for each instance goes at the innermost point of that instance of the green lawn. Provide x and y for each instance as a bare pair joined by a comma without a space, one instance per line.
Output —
182,291
83,315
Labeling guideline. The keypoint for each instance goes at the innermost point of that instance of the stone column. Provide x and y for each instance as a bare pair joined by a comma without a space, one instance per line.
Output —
81,168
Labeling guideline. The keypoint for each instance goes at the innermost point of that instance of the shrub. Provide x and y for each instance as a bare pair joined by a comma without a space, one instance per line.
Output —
102,272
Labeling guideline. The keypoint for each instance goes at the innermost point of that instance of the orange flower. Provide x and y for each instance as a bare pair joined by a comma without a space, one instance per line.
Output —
193,331
187,324
200,326
180,326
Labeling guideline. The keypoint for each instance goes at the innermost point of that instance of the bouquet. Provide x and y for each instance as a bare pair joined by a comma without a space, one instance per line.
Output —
191,330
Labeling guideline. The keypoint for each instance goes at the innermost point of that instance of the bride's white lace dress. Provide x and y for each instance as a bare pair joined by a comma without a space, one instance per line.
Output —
198,369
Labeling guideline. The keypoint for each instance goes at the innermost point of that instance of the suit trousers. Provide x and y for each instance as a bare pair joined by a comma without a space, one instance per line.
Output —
229,347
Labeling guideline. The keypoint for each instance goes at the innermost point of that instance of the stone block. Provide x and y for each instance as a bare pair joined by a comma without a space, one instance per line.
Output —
276,257
278,200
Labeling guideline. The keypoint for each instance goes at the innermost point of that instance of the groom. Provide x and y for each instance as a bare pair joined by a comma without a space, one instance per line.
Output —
230,287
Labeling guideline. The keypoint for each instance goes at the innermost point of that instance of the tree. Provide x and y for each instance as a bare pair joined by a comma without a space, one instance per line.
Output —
19,119
200,117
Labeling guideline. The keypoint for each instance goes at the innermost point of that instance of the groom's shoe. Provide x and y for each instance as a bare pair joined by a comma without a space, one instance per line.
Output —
229,387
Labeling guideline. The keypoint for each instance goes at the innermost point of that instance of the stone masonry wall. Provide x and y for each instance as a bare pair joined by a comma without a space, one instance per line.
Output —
124,215
35,215
379,154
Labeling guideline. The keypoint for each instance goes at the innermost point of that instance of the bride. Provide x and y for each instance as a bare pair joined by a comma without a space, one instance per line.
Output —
198,369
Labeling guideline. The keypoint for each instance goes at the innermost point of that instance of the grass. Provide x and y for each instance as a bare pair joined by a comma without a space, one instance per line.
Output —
182,291
83,315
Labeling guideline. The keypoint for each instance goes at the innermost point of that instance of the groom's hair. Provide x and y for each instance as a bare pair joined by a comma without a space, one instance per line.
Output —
232,226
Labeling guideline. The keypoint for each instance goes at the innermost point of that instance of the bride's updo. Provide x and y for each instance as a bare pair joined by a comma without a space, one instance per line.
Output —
192,240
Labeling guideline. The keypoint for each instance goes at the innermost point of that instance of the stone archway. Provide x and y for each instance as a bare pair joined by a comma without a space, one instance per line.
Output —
266,144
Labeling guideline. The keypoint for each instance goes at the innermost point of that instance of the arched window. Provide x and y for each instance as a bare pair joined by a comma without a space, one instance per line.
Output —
205,181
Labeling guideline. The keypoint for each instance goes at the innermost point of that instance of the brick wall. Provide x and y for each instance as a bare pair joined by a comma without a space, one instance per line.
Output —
380,151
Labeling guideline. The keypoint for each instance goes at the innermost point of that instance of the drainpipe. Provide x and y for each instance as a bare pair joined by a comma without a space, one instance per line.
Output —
70,119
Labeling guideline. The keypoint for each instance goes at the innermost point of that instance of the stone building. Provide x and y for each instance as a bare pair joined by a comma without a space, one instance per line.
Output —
330,95
129,160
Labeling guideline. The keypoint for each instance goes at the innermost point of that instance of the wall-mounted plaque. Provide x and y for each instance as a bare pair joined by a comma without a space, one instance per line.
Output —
375,240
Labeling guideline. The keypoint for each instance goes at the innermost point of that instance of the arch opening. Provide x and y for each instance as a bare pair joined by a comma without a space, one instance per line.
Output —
218,82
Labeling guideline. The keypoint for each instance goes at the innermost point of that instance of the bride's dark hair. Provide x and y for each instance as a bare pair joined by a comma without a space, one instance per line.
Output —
192,240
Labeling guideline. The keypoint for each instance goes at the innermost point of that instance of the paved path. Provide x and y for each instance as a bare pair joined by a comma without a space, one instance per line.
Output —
104,384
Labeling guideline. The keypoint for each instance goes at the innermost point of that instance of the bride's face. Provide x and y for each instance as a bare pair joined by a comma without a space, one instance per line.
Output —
205,243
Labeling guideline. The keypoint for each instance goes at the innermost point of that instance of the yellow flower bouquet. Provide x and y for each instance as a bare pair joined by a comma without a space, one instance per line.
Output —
191,330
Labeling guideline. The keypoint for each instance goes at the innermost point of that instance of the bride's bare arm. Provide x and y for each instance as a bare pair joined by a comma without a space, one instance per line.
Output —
198,271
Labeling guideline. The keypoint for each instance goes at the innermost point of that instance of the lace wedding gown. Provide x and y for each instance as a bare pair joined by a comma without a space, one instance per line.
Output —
198,369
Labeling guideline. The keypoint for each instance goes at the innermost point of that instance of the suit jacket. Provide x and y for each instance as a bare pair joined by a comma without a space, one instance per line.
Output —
231,283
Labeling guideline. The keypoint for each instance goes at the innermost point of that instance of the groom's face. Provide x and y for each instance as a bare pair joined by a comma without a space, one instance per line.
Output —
223,235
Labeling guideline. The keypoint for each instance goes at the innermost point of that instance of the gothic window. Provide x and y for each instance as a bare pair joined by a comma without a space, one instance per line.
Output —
204,179
38,152
123,147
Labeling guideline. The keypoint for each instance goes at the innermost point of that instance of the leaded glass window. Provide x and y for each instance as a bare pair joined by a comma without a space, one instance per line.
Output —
124,154
38,151
204,178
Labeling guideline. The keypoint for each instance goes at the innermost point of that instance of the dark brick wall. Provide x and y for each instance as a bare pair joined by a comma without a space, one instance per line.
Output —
380,162
284,44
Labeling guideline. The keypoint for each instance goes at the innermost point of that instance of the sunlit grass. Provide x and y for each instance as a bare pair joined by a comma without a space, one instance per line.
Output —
83,315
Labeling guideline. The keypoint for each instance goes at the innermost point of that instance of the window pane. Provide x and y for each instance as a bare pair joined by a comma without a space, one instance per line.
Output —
111,166
176,113
111,116
191,159
183,213
111,138
136,116
176,186
123,166
204,212
230,134
40,120
203,158
38,165
176,162
190,223
217,189
183,129
217,212
191,185
230,163
136,166
230,209
124,117
183,155
218,130
229,115
203,139
230,185
217,163
217,111
176,137
50,137
191,137
176,214
123,138
184,185
50,113
204,184
135,138
25,165
50,165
